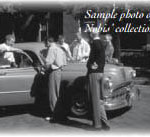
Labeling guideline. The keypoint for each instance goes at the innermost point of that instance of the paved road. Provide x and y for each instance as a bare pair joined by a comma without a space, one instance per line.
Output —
133,121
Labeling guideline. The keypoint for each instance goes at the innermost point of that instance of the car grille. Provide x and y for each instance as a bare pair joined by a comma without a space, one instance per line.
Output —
120,91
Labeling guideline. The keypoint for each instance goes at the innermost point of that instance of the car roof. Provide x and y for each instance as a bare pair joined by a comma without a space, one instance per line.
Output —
32,46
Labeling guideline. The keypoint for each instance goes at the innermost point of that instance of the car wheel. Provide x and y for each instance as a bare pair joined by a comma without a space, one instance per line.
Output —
79,106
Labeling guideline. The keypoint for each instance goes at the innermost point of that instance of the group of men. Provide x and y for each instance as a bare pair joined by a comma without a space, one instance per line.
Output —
57,55
94,55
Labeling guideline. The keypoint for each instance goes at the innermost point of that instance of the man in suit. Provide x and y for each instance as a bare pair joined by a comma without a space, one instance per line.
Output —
95,65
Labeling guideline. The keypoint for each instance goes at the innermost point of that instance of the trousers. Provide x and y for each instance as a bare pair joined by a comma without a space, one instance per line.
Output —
54,87
96,97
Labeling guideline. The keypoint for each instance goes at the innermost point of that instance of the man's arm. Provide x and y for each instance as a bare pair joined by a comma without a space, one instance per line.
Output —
15,49
69,52
4,47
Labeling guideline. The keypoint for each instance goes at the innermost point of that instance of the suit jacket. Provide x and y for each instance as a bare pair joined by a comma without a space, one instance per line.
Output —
97,57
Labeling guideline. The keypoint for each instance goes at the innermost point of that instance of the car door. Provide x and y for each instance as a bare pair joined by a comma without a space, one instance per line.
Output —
16,83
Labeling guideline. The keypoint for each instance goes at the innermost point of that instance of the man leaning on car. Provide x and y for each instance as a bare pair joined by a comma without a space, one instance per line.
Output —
7,49
95,65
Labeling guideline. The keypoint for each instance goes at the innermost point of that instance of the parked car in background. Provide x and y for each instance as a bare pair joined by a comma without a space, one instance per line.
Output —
17,85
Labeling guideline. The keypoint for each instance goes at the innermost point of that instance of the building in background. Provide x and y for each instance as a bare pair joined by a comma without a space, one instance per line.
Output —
30,23
37,22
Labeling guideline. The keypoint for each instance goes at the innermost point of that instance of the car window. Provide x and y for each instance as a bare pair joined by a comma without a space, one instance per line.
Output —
22,60
34,57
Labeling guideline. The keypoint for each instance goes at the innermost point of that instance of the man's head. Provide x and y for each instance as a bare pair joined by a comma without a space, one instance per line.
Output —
49,41
94,34
61,39
10,39
108,37
79,36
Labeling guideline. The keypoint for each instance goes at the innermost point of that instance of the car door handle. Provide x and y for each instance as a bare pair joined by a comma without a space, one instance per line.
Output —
2,73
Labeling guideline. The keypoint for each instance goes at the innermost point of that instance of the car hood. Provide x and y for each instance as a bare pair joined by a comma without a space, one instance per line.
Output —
117,74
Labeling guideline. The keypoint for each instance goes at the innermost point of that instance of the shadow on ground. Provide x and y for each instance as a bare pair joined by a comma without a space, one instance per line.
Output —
42,112
23,109
13,110
84,123
117,113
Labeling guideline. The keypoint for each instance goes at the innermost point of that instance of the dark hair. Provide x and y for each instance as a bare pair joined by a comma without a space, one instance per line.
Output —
50,39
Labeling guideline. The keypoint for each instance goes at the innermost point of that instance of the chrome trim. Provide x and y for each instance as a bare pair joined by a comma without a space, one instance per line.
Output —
109,106
125,84
118,99
5,76
10,92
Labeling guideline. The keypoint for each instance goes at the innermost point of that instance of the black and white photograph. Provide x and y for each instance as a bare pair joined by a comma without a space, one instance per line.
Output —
75,67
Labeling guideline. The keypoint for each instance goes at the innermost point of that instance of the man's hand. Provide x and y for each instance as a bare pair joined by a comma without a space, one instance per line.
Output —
42,70
94,66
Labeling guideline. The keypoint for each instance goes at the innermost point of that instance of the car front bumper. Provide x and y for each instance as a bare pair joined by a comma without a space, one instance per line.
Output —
120,98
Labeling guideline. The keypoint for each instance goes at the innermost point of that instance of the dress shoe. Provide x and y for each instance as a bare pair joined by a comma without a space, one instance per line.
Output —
105,125
93,128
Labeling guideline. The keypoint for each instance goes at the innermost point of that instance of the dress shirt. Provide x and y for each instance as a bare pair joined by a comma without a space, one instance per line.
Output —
7,55
55,57
80,49
66,48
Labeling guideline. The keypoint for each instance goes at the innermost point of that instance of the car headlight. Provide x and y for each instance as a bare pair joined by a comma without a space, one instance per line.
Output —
108,86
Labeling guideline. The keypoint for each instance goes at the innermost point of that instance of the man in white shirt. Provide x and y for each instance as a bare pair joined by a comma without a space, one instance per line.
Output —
80,49
61,42
7,48
54,63
55,56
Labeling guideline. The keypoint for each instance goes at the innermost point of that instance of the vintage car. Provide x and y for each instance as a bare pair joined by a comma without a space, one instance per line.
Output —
16,83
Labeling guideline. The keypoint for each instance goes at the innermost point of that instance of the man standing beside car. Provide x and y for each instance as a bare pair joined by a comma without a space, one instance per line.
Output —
80,48
95,65
65,47
55,63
